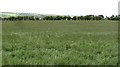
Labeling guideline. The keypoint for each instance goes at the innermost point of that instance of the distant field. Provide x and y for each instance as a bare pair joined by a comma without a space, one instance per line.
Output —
60,42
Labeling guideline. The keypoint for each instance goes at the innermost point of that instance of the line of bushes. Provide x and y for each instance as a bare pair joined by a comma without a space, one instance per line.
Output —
87,17
12,18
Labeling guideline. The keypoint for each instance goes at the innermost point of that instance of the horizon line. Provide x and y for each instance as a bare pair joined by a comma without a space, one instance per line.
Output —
56,14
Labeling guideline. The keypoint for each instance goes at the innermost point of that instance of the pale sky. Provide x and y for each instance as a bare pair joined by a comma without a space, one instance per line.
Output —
61,7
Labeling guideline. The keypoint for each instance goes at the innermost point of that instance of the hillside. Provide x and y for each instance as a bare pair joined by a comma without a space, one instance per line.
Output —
8,14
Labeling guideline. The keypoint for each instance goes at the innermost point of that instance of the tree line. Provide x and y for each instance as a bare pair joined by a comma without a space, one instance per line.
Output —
87,17
12,18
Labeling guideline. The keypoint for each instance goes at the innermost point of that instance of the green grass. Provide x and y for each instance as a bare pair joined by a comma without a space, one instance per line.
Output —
60,42
0,43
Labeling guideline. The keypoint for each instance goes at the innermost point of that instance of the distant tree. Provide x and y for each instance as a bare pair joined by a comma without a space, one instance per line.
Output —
87,17
65,18
36,18
31,18
97,18
68,18
78,18
112,17
107,18
5,19
58,18
117,17
11,18
74,18
92,17
101,16
45,18
81,17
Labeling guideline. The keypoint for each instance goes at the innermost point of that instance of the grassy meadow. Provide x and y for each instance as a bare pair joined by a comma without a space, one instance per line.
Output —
0,43
60,42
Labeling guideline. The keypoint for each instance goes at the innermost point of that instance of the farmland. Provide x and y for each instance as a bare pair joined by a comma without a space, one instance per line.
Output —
59,42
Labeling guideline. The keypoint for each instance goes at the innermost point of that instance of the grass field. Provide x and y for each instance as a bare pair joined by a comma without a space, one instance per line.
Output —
60,42
0,43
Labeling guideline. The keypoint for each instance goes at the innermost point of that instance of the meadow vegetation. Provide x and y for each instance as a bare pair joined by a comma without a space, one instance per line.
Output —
60,42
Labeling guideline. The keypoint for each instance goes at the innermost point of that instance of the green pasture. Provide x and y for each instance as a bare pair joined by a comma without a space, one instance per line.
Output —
60,42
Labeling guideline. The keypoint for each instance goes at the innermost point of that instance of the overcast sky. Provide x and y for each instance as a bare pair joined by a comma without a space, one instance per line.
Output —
61,7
